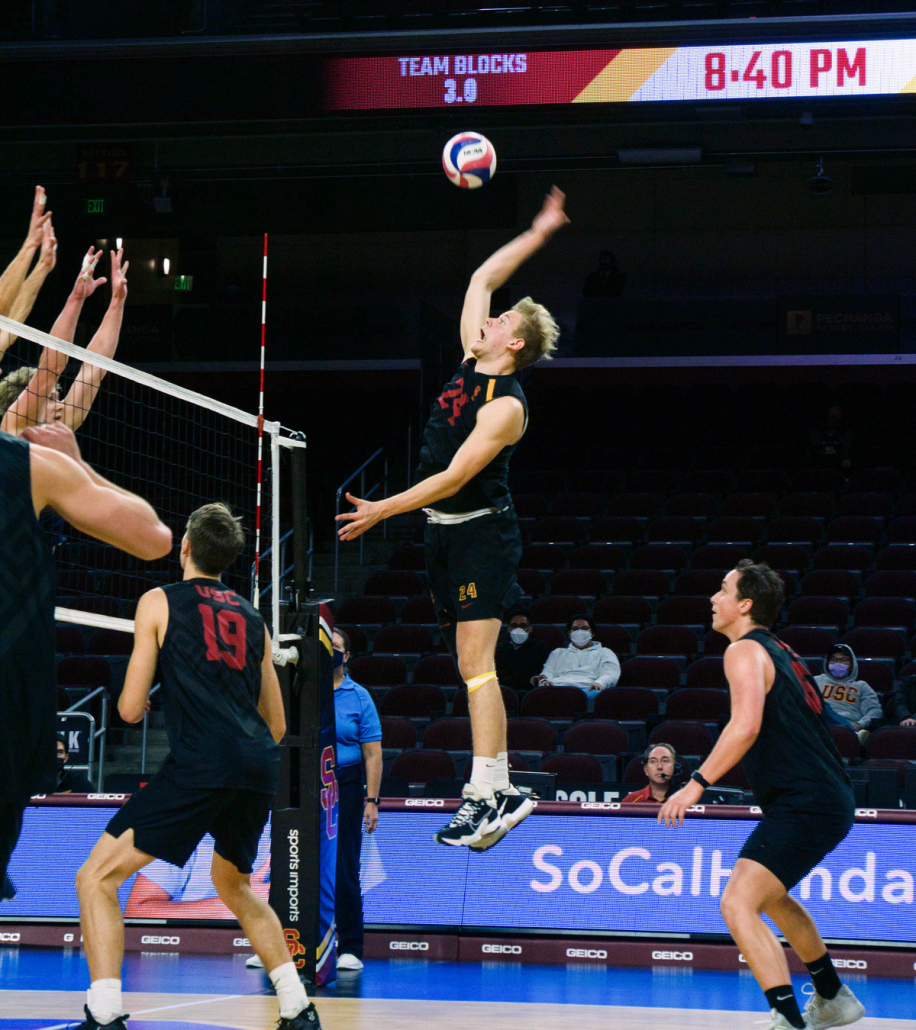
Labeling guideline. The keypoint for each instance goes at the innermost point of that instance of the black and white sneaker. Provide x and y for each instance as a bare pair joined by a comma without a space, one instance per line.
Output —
306,1020
477,817
513,807
91,1023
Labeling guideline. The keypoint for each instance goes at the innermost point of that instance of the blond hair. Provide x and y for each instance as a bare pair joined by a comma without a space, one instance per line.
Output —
538,329
12,385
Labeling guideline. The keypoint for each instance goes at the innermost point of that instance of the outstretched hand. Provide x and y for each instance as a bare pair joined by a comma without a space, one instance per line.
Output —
118,275
40,218
85,285
48,257
552,215
365,517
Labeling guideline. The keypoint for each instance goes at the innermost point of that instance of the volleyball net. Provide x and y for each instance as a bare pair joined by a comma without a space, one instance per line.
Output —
174,447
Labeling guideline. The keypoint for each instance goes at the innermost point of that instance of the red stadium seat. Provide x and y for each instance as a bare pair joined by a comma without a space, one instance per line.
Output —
847,742
83,671
530,734
755,504
69,640
410,558
701,582
550,636
685,611
549,557
785,556
885,611
419,610
556,530
695,505
615,638
359,642
643,582
578,505
404,640
607,557
808,504
830,583
715,643
532,582
896,557
398,732
706,705
707,674
381,671
868,642
819,611
555,608
573,768
794,529
415,701
555,703
667,640
896,742
655,673
855,529
626,703
438,670
452,733
530,506
110,641
855,557
619,529
809,641
678,529
636,505
632,611
902,530
423,766
367,610
596,737
579,582
866,503
659,556
717,556
687,738
393,583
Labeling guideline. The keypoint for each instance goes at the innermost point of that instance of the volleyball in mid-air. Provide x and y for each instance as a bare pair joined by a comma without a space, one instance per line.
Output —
469,160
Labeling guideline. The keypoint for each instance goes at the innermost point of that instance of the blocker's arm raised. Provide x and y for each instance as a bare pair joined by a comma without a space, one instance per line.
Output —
499,424
499,266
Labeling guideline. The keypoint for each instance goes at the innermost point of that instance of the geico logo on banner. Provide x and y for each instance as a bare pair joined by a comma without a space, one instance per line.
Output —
501,949
672,956
850,963
585,953
106,797
592,805
241,942
408,945
424,802
160,940
704,874
69,938
10,938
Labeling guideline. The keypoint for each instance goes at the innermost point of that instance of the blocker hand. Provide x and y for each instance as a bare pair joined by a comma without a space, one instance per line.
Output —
673,809
365,517
40,218
48,257
118,275
85,285
551,216
56,436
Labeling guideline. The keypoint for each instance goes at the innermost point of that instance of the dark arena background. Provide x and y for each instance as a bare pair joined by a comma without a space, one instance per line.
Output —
736,294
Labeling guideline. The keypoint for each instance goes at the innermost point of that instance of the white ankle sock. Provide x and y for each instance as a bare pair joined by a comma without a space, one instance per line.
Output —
104,1000
290,990
501,776
482,775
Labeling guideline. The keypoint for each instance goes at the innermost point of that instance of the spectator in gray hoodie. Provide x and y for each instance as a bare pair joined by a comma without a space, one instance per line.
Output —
847,695
585,663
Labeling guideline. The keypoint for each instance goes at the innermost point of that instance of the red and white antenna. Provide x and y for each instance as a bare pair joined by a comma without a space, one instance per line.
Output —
257,529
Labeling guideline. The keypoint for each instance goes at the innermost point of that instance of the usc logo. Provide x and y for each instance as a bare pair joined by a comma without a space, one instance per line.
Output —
296,947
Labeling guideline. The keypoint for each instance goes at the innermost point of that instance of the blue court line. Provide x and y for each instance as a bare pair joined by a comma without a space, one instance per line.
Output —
135,1024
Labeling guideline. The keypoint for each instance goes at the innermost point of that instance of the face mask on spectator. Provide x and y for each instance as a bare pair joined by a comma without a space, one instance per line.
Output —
338,658
580,636
61,763
518,634
839,670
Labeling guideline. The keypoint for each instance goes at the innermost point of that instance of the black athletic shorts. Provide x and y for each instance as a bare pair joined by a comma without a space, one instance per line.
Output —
471,566
10,828
169,821
791,844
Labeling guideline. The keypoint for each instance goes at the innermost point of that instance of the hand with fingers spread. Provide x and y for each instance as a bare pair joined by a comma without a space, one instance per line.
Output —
552,215
40,218
118,276
85,284
365,516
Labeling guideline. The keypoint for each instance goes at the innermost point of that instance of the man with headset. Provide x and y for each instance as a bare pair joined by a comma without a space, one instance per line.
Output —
660,767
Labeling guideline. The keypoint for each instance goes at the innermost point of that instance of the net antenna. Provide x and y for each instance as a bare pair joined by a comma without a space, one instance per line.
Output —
257,525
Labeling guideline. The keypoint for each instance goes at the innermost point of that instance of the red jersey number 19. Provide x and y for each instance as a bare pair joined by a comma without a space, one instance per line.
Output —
231,633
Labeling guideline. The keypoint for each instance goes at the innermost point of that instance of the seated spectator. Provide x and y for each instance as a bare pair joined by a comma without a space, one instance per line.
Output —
848,696
905,702
584,664
519,656
660,767
69,781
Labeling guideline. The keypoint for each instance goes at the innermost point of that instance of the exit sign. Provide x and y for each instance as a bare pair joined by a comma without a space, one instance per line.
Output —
184,282
95,206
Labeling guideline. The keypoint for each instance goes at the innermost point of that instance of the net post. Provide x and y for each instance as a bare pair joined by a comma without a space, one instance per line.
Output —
301,585
304,818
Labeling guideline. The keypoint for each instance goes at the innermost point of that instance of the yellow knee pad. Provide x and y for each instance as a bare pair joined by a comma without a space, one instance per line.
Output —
476,682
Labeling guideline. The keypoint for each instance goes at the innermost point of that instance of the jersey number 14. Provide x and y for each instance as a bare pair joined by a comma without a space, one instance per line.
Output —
231,633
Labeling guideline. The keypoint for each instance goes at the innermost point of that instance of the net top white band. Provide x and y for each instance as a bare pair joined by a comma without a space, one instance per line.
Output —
135,375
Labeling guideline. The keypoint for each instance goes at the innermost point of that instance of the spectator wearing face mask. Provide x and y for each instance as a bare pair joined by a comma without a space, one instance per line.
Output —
69,781
846,694
584,664
519,655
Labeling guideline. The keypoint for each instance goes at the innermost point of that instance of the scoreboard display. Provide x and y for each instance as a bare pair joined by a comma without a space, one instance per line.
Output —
629,75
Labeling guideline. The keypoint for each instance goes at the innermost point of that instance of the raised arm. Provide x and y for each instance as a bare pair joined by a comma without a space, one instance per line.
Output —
500,266
30,407
28,292
749,671
150,624
499,424
89,378
11,280
63,481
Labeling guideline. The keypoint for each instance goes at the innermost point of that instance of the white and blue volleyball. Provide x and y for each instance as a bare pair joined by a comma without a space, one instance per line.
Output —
469,160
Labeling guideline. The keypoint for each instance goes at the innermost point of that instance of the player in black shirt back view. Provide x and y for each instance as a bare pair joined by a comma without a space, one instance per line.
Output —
473,543
798,780
224,715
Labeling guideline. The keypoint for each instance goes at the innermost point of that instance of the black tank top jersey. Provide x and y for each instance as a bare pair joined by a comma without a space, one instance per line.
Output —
28,688
451,421
210,665
793,765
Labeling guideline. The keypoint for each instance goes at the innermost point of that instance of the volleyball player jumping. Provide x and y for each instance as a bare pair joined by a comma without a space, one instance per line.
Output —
473,543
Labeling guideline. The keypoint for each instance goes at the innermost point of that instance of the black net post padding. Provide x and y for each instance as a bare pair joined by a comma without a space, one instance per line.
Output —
304,820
